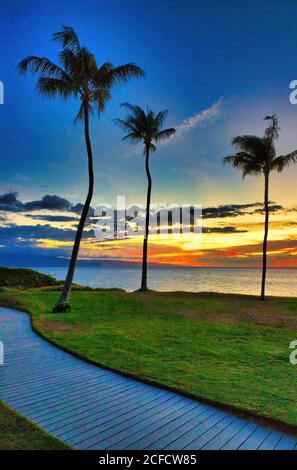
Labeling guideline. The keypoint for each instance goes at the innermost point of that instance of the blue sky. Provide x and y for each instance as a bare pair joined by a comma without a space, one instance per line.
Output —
193,52
234,57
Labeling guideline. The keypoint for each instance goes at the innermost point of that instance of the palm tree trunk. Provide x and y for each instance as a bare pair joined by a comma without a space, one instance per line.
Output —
264,265
68,282
147,221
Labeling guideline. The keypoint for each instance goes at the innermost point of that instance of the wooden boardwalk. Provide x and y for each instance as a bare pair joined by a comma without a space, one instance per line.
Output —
92,408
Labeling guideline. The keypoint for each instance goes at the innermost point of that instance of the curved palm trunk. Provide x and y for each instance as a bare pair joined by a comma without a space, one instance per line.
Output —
266,189
147,220
68,282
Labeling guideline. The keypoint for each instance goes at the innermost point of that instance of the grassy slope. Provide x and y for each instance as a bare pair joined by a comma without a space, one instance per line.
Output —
19,434
226,348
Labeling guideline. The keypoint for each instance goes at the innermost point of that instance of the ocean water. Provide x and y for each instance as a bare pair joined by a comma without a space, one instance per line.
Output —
280,282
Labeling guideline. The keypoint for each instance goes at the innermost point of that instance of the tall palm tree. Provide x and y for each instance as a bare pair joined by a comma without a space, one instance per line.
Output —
146,127
79,76
257,156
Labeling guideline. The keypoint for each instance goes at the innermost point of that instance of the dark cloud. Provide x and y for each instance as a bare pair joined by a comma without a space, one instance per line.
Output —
234,210
25,232
77,208
228,210
271,208
8,198
48,202
229,229
10,202
54,218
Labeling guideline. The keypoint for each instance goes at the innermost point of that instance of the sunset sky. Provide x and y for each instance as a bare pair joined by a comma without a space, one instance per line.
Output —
218,67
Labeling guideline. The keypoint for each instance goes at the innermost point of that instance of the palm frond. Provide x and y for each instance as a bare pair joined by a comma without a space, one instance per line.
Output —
257,154
283,161
251,169
89,64
137,120
164,134
132,137
70,62
230,159
160,118
101,97
107,75
251,144
136,110
272,131
78,73
52,87
244,162
146,126
126,126
80,114
122,73
68,38
101,77
42,66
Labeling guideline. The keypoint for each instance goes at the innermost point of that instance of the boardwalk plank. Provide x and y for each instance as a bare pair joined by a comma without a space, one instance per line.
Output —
108,415
168,408
209,416
271,441
255,439
220,439
203,439
286,443
236,441
169,433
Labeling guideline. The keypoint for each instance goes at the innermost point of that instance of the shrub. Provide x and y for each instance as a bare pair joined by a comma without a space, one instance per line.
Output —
24,278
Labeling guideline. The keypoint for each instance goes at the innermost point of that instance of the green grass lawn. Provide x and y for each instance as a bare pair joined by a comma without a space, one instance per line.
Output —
229,349
16,433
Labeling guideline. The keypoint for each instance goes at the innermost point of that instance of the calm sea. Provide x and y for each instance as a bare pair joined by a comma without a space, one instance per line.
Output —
280,282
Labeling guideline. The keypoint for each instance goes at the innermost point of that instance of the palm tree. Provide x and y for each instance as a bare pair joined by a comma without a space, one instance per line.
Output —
257,156
145,127
79,76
